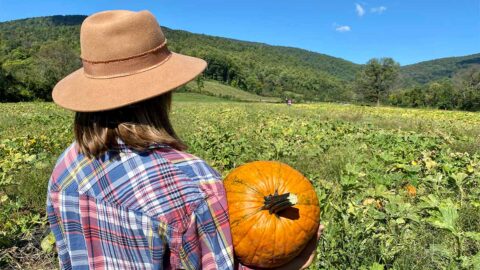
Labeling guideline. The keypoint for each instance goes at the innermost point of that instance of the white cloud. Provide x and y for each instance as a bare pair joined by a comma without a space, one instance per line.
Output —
360,10
378,10
343,28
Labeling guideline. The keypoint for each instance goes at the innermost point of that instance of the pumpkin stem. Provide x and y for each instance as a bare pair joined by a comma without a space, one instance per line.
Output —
276,203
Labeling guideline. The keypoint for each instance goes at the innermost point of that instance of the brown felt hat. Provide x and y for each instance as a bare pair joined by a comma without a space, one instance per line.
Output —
125,60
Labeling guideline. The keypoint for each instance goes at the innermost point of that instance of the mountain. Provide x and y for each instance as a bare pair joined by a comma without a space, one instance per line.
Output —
433,70
36,52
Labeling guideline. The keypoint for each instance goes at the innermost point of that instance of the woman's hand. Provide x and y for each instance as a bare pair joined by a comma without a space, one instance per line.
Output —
306,257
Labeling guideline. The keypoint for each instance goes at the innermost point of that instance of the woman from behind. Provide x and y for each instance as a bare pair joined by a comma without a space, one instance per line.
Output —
124,194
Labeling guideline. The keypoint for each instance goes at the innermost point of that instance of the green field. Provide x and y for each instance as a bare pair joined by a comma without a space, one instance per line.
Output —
216,89
398,188
196,97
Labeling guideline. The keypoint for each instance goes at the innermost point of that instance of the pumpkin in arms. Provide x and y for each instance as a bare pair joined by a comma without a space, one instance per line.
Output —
274,212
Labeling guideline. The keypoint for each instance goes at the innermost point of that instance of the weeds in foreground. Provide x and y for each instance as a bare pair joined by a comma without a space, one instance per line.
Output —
398,189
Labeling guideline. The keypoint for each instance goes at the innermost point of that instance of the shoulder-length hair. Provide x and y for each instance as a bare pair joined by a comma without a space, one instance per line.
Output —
138,126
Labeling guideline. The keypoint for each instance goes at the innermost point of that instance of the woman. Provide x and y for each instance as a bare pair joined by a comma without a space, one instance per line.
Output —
124,195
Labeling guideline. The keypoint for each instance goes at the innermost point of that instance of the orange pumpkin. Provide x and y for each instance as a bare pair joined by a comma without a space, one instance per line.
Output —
274,212
411,190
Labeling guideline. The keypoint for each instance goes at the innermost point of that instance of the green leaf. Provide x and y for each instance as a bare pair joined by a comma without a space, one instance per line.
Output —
400,221
459,177
3,198
445,217
413,168
30,158
431,201
476,261
48,243
376,266
473,235
471,262
41,165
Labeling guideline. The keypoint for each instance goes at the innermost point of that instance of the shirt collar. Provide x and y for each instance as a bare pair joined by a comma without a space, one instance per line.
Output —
122,147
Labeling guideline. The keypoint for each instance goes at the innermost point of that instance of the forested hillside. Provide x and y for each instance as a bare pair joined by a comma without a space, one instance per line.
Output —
428,71
35,53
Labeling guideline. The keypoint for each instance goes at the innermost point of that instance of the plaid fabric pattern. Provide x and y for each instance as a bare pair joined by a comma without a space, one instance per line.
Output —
158,209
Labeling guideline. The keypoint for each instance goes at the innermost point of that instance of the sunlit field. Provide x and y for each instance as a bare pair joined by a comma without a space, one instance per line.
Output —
398,188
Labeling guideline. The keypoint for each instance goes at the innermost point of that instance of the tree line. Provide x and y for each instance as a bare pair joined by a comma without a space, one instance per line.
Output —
376,83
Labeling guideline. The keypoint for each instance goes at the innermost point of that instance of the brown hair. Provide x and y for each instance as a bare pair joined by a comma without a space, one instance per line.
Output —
138,126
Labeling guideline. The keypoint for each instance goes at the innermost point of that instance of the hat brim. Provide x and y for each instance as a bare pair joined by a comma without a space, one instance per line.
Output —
80,93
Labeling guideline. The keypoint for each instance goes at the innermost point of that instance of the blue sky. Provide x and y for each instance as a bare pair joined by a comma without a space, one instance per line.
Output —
409,31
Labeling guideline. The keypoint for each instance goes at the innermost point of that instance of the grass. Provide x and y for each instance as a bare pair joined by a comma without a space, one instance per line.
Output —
228,92
350,153
196,97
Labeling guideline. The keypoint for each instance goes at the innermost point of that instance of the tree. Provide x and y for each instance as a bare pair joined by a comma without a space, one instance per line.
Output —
3,86
9,88
376,79
468,85
438,94
200,82
52,62
441,95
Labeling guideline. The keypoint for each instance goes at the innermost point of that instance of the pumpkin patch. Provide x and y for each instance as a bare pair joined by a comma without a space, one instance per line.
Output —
358,158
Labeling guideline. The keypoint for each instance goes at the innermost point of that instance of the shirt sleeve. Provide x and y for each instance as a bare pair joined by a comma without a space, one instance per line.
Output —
207,243
56,228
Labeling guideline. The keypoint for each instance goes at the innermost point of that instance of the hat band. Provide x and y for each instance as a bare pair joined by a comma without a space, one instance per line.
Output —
126,66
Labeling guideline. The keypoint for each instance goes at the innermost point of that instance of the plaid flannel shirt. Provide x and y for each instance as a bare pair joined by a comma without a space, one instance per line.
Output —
158,209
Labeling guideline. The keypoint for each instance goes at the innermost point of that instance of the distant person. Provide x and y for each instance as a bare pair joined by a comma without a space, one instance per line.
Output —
124,194
289,102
